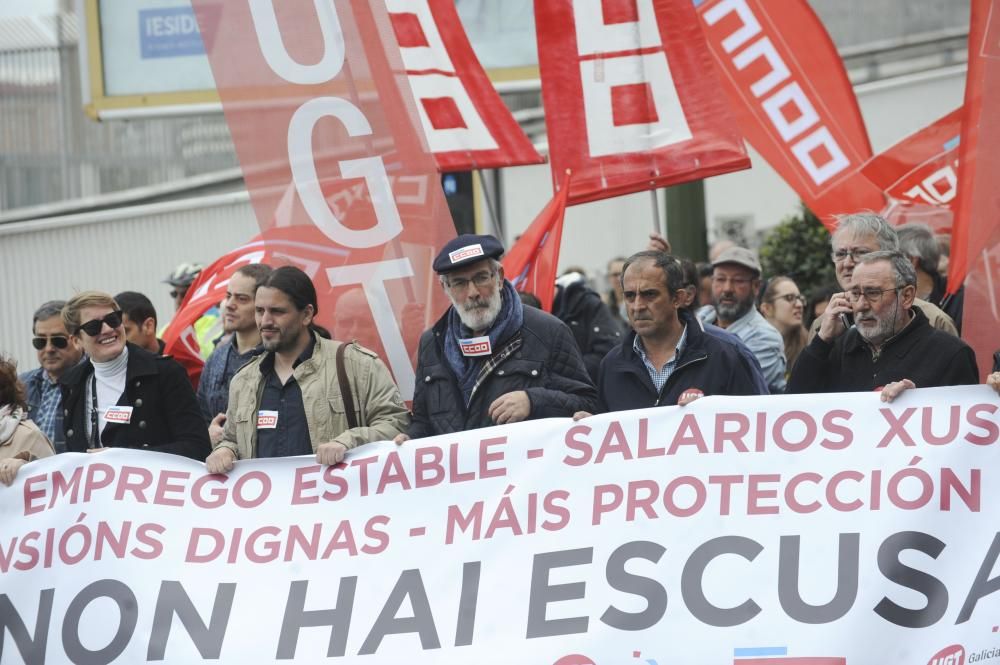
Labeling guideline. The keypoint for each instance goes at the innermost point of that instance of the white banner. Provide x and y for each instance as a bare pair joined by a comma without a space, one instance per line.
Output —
816,530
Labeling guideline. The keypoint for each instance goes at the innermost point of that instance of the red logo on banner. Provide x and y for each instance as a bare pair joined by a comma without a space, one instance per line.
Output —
332,152
466,123
794,100
953,655
631,100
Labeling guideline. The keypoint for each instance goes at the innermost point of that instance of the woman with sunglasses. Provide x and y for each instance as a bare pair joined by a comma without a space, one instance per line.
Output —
782,305
124,396
20,439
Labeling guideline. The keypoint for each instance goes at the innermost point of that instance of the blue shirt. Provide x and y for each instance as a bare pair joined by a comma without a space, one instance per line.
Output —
763,340
45,406
659,375
290,435
221,366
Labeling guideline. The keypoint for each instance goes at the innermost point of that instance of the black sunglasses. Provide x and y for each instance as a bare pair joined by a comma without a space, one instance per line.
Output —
58,341
93,328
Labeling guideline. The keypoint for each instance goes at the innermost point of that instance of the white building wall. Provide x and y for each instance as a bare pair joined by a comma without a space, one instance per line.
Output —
128,249
595,232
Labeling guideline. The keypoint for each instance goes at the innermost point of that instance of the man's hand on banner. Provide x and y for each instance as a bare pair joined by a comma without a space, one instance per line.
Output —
401,438
993,381
580,415
510,408
895,389
331,453
220,461
658,243
216,428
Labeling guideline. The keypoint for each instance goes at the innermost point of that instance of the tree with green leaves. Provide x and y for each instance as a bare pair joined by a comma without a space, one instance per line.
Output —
799,247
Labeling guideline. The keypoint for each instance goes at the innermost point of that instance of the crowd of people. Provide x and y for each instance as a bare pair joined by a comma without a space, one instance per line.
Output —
668,332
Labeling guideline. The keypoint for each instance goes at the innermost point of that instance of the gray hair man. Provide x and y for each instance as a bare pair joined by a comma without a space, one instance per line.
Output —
860,234
918,242
891,345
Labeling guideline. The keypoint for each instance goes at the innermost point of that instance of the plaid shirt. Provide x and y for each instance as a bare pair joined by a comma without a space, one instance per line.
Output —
494,361
45,406
660,375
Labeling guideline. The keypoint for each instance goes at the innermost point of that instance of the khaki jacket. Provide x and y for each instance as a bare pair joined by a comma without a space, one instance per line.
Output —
27,443
379,408
935,316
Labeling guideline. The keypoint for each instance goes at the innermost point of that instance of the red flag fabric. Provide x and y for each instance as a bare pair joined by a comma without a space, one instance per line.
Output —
631,98
919,175
975,245
466,123
316,105
794,102
532,263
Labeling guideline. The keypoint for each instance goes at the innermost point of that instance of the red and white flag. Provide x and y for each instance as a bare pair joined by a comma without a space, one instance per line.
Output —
975,243
919,175
532,263
466,123
631,97
313,96
795,104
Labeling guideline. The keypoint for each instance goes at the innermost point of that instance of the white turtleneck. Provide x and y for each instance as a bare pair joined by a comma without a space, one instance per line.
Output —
110,378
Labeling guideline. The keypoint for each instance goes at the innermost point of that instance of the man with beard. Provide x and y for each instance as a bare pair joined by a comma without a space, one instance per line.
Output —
306,394
489,360
735,283
239,322
891,345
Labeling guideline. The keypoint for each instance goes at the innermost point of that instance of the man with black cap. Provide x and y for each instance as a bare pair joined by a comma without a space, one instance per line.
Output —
735,283
489,360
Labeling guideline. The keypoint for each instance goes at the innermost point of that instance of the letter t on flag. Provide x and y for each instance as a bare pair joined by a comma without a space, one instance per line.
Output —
532,262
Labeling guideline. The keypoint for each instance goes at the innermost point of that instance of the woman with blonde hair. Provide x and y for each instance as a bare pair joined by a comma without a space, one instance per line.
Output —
20,439
782,305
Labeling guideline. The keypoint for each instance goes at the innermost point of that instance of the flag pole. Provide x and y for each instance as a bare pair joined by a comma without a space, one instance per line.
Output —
656,211
489,206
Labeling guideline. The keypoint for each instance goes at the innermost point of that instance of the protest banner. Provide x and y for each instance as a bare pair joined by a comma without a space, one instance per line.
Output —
787,530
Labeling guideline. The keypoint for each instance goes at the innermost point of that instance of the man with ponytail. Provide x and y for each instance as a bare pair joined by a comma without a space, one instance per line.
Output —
306,394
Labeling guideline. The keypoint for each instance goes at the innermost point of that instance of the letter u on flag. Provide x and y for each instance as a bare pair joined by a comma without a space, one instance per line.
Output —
466,123
532,262
631,98
795,104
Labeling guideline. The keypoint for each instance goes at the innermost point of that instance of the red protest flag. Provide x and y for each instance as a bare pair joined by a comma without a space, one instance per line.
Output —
919,175
631,97
466,124
795,104
975,244
312,95
532,263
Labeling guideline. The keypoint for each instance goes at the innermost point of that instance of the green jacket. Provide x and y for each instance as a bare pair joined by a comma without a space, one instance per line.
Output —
381,413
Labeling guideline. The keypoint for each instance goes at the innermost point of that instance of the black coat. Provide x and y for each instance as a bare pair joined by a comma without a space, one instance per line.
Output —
927,356
548,367
165,415
594,328
710,364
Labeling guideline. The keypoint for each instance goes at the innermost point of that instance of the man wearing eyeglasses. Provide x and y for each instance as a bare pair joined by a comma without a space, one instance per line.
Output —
489,360
122,395
735,282
860,234
891,345
56,354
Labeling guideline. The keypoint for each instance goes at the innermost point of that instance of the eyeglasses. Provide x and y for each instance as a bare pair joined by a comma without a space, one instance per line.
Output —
57,341
93,327
790,298
871,294
855,253
479,280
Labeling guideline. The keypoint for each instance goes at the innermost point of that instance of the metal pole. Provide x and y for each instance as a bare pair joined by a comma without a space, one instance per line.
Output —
656,211
497,231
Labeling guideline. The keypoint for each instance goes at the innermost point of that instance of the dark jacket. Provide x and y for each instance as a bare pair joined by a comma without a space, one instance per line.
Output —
710,364
594,328
921,353
165,415
547,366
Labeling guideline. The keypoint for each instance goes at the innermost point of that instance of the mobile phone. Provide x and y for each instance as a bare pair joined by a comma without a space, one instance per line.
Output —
846,319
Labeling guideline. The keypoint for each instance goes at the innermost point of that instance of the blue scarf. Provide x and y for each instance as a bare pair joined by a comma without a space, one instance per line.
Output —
507,324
